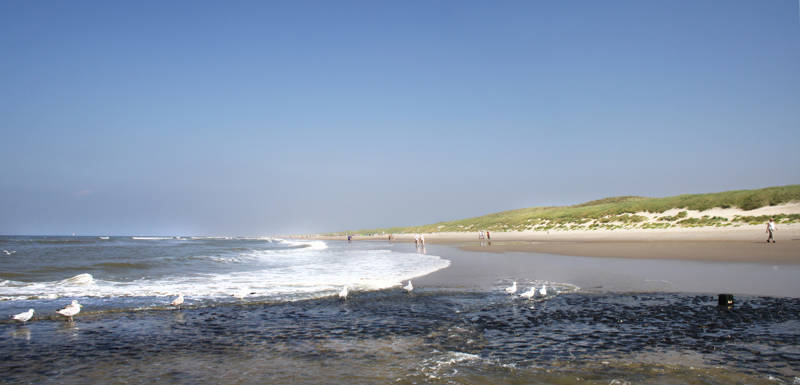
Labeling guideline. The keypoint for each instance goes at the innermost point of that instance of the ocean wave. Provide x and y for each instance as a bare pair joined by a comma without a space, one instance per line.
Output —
289,276
80,279
313,245
120,265
54,241
151,238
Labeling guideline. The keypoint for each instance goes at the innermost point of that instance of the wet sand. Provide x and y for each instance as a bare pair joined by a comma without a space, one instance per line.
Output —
709,251
493,267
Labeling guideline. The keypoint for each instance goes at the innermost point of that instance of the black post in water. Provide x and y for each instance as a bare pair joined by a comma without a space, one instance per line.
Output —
726,300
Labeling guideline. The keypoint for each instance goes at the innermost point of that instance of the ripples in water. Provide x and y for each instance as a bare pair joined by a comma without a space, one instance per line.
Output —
427,337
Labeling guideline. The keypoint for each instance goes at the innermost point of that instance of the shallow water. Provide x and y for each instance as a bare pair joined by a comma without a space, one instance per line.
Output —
426,337
458,326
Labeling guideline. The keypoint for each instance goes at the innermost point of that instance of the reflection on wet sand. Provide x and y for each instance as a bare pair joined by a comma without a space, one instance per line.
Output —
21,332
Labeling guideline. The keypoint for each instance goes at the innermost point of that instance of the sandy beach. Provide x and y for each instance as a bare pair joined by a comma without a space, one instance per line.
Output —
729,244
459,325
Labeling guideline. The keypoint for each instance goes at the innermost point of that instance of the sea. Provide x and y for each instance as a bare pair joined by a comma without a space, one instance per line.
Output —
268,310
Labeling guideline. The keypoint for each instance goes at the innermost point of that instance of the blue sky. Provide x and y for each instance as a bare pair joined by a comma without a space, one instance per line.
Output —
274,117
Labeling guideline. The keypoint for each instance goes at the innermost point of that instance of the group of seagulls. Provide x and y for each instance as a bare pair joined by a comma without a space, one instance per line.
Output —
67,311
74,308
528,294
345,290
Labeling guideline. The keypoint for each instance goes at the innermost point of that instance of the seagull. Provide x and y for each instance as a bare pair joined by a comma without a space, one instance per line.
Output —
177,301
343,293
530,293
543,290
70,310
24,316
409,287
9,252
512,289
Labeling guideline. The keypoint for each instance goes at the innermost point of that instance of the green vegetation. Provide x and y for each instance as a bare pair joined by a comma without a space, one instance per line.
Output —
704,221
756,220
620,212
673,218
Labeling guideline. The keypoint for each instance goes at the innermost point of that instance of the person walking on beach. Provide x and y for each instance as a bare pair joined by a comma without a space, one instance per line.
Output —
770,229
488,237
422,239
416,240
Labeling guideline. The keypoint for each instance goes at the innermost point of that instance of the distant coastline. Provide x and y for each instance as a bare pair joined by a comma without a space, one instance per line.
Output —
721,227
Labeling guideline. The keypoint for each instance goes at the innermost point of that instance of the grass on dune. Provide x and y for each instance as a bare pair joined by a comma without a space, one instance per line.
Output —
616,212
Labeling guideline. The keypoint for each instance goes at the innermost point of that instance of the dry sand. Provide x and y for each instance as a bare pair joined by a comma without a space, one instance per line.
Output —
728,244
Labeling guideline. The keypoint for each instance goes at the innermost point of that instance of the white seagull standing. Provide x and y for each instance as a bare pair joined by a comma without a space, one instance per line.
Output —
177,301
409,287
343,293
24,316
70,310
530,293
543,290
512,289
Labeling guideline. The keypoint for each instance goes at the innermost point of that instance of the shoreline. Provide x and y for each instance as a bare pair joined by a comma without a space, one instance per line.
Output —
744,244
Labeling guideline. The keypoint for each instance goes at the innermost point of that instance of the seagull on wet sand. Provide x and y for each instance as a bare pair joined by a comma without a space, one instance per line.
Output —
177,301
343,293
409,287
512,289
24,316
70,310
530,293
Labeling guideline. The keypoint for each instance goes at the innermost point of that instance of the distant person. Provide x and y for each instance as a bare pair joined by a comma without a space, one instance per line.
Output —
349,237
770,230
422,240
416,240
480,234
488,237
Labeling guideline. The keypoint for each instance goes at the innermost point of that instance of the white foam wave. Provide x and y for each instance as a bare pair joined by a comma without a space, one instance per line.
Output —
220,259
151,238
313,245
442,365
311,273
553,287
80,279
268,239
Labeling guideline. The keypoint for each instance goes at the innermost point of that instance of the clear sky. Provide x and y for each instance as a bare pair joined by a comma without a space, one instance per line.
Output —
247,118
